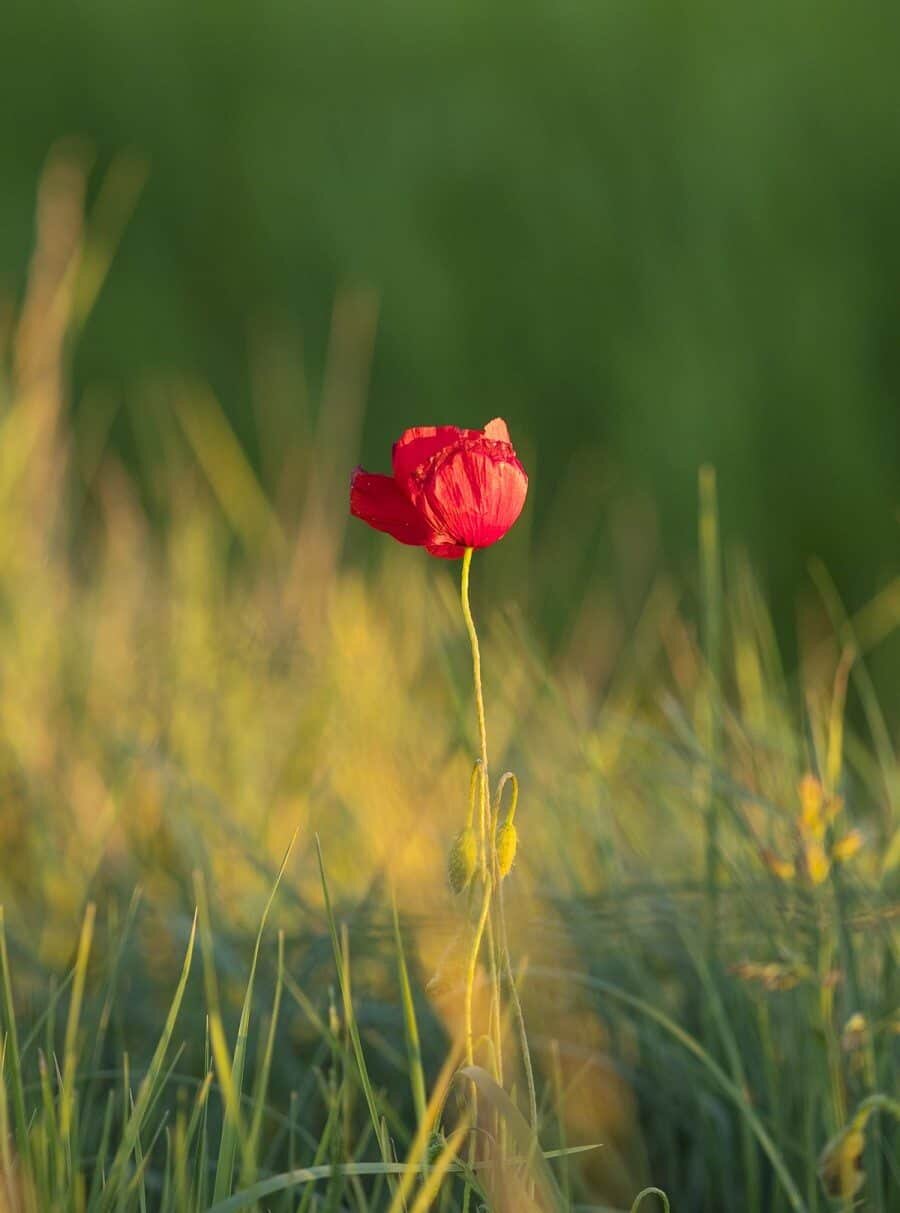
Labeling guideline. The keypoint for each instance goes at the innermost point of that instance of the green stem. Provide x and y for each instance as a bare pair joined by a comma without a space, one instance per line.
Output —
489,874
880,1103
479,703
473,965
510,778
494,1025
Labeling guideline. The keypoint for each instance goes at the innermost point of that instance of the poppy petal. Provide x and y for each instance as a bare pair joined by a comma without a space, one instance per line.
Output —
378,501
497,430
444,547
415,447
474,493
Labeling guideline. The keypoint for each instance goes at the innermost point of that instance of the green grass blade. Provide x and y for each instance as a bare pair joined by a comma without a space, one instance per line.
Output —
410,1024
693,1046
349,1014
311,1175
302,1175
726,1035
48,1012
11,1052
232,1131
6,1162
232,1123
102,1151
520,1131
262,1084
70,1046
147,1089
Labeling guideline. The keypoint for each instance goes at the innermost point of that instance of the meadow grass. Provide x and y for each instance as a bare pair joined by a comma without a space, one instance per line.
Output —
199,1013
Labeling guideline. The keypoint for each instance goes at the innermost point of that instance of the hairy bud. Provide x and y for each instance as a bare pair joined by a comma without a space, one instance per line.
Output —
840,1163
507,842
463,860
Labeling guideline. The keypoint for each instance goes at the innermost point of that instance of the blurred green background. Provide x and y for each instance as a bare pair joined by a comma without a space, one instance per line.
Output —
648,234
652,235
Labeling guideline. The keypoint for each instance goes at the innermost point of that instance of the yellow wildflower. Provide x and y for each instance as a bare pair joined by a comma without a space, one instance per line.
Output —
818,865
854,1033
784,869
812,800
845,848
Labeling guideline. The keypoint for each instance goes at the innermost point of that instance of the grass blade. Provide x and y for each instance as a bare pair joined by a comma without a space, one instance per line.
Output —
693,1046
520,1131
147,1089
231,1072
11,1052
349,1014
70,1046
411,1027
265,1069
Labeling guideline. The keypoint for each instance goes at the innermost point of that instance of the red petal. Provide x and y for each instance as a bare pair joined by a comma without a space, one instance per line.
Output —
473,493
445,548
378,501
497,430
415,447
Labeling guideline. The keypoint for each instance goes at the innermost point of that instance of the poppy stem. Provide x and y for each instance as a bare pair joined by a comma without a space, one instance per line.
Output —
479,704
489,874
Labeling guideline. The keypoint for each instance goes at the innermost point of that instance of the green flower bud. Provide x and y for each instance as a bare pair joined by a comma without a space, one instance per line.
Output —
463,860
840,1164
507,842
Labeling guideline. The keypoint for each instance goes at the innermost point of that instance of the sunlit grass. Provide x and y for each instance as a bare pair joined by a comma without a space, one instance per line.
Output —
709,972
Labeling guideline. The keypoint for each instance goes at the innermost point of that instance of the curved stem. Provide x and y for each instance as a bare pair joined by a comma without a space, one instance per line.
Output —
508,777
880,1102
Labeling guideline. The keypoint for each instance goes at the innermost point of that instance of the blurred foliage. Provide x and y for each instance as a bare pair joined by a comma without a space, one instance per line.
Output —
650,235
705,898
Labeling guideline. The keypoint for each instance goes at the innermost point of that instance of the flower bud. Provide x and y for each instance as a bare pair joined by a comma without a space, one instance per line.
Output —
507,842
845,848
818,864
840,1163
463,860
854,1034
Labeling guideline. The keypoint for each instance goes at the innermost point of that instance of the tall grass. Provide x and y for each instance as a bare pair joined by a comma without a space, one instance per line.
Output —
707,962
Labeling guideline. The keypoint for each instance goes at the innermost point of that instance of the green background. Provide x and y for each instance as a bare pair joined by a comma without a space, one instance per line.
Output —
664,231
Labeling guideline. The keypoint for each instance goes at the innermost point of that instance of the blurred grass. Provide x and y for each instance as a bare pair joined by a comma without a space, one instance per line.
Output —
167,709
652,236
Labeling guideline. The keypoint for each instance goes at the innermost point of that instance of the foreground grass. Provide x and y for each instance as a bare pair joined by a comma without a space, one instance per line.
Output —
704,912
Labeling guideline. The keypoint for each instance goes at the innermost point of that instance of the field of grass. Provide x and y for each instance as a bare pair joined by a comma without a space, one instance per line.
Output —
203,1008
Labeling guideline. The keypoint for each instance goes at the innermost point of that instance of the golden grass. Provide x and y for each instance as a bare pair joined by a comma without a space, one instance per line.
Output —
186,696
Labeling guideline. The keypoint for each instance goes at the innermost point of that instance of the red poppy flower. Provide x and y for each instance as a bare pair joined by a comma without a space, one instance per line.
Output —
451,489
